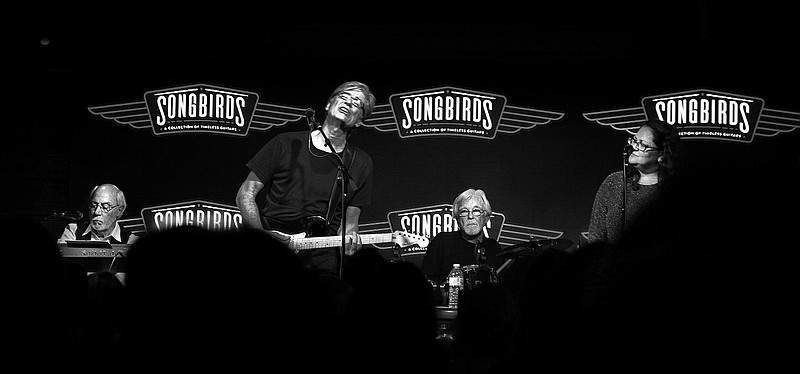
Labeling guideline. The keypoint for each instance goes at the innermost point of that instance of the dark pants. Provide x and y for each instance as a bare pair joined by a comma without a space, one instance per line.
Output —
321,261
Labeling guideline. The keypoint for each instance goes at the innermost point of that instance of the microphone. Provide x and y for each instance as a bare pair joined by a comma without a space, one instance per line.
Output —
68,215
312,123
628,149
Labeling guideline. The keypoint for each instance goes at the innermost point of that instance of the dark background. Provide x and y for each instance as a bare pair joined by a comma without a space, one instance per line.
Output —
571,58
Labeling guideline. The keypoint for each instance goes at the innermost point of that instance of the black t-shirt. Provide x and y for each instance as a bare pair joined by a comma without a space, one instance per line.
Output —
448,248
300,179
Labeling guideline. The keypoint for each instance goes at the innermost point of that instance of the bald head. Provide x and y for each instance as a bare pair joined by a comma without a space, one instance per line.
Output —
106,205
111,190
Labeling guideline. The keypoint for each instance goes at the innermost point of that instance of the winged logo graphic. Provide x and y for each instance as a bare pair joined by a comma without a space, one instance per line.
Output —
703,114
206,108
432,219
453,111
200,108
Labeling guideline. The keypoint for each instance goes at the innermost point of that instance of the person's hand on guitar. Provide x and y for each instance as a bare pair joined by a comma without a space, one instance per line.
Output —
283,238
352,243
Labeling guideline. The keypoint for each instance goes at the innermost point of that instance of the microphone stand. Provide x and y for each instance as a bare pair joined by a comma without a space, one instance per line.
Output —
625,155
343,177
481,253
396,253
57,216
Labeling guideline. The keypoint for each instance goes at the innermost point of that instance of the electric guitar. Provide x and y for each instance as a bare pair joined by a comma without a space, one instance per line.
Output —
314,226
298,242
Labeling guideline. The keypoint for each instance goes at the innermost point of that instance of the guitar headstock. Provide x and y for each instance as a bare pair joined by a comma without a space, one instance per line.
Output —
406,239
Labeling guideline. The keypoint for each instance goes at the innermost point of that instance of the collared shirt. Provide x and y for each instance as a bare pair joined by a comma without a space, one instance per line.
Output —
70,234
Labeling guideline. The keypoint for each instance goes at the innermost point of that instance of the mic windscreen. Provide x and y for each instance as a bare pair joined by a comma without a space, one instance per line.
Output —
628,149
68,215
312,123
73,216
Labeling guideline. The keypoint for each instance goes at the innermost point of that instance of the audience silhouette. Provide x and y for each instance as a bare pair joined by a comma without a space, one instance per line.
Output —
43,300
483,327
391,321
106,311
682,287
227,301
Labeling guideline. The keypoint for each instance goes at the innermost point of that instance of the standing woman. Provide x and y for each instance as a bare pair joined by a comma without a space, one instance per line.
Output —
652,160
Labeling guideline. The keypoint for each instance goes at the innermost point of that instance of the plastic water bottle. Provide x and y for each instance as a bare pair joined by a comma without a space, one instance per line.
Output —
455,283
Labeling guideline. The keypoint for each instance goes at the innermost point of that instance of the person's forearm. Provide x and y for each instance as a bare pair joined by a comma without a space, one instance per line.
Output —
250,214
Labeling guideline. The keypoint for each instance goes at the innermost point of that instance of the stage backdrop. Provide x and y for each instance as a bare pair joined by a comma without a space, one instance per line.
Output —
172,118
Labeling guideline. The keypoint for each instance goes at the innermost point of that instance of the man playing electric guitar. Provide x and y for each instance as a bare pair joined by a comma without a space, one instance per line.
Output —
301,174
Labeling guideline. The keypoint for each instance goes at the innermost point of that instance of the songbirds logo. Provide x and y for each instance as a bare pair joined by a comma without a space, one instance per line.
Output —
430,220
452,111
207,215
188,109
704,114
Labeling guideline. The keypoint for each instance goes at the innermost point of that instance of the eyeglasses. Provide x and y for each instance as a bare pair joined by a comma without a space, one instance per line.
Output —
351,99
640,146
475,212
105,207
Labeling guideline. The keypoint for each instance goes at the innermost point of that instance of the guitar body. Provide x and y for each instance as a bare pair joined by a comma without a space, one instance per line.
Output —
306,226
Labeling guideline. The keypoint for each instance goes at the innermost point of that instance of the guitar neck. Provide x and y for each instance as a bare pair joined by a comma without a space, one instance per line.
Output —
336,241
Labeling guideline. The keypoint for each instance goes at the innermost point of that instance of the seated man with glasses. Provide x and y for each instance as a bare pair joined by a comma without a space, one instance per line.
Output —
106,205
469,245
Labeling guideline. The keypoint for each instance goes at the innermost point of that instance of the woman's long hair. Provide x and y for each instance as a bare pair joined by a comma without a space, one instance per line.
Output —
667,141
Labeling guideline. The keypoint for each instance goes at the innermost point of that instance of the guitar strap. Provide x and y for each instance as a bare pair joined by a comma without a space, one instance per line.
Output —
335,193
